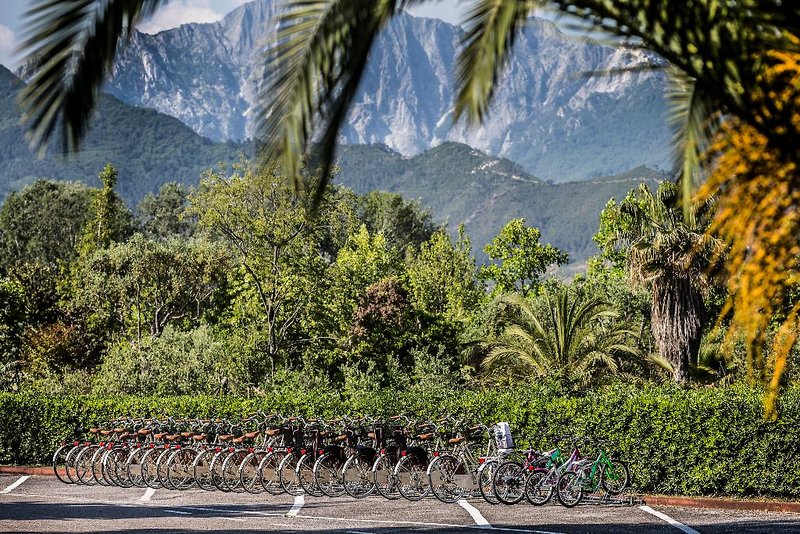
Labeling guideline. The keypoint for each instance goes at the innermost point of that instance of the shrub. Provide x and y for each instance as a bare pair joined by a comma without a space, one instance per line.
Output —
709,441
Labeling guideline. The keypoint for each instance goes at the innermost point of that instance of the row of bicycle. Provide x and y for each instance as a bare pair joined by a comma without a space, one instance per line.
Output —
393,457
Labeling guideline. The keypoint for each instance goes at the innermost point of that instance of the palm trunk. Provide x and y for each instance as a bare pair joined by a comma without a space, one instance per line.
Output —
678,312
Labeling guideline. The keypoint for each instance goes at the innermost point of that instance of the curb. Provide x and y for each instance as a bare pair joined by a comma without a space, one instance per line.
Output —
723,504
15,470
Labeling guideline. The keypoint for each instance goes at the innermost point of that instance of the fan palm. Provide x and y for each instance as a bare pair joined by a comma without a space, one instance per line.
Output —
669,253
580,339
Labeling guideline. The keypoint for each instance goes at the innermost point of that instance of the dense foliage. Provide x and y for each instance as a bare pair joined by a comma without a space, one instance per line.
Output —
709,441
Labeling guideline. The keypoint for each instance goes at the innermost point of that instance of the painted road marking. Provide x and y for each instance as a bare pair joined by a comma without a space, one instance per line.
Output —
299,501
476,514
178,512
19,481
420,524
357,532
668,519
147,494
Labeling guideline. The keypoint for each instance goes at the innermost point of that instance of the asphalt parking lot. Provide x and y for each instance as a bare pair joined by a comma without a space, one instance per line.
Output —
43,504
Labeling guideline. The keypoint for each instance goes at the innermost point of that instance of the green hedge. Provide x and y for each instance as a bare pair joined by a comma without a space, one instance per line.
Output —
710,441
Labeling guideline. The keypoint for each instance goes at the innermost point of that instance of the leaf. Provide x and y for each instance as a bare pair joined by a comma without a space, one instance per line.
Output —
72,44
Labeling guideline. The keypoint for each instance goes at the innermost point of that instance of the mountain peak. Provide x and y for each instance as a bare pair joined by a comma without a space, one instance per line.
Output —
547,115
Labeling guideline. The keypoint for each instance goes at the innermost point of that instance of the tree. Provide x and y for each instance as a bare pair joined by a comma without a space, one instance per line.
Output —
520,260
142,286
401,222
568,337
111,221
669,254
43,224
276,244
162,215
442,276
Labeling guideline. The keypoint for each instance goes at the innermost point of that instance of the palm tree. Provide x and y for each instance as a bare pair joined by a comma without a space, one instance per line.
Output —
579,339
670,254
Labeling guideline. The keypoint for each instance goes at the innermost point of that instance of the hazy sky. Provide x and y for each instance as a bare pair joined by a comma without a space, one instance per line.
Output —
178,12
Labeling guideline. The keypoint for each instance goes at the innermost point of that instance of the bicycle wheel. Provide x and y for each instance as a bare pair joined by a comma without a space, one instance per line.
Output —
133,466
269,472
97,466
384,477
509,482
412,478
304,473
114,467
149,471
60,462
201,469
230,471
615,478
180,469
83,465
444,476
162,471
286,472
71,467
538,487
328,474
357,477
248,472
486,481
569,489
215,469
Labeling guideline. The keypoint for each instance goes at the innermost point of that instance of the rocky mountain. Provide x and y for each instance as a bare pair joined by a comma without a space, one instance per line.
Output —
549,116
458,183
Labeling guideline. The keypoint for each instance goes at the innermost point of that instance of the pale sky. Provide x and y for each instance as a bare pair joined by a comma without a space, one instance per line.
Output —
179,12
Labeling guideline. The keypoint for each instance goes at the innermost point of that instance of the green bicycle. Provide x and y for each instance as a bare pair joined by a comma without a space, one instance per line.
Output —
588,476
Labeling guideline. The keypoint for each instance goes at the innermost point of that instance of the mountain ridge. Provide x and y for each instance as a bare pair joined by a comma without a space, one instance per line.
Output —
548,116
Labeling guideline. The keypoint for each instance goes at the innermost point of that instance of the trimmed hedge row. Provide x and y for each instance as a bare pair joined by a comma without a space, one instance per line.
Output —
710,441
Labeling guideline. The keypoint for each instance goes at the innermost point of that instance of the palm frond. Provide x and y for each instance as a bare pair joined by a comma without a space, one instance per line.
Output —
694,119
491,28
315,65
72,44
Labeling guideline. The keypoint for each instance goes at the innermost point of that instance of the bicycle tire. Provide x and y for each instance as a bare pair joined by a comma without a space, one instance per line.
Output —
412,478
384,477
133,466
60,462
509,482
569,489
201,469
327,474
443,473
486,481
269,474
286,473
616,482
357,477
180,468
538,489
248,472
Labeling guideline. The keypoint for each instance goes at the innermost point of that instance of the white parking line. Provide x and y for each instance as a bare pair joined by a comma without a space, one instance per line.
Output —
147,494
476,514
668,519
19,481
299,501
